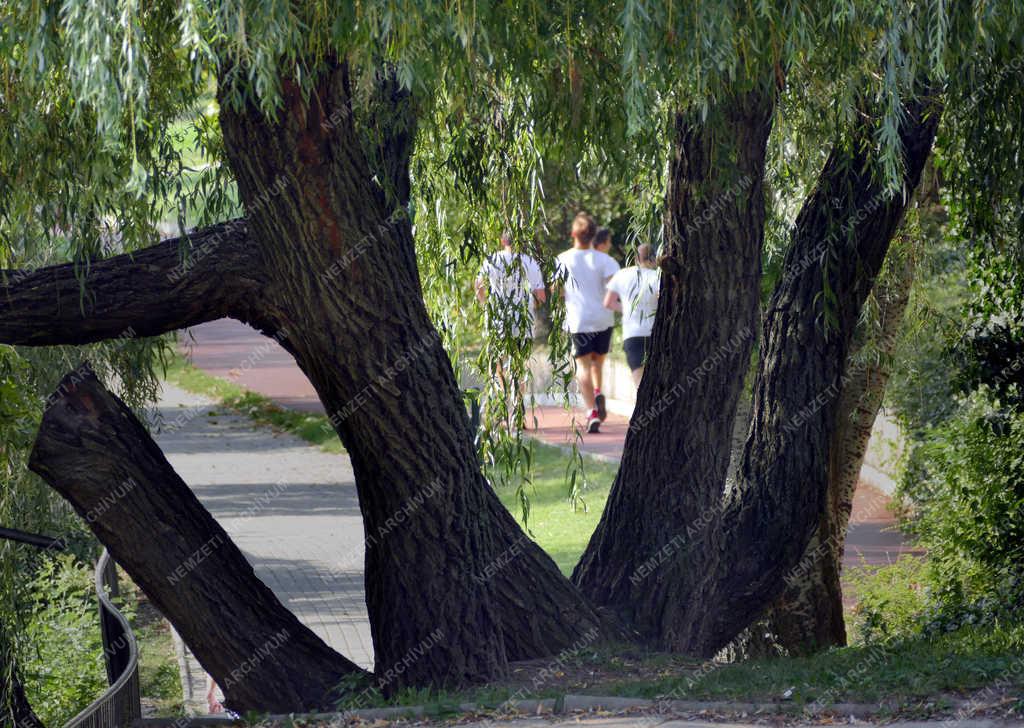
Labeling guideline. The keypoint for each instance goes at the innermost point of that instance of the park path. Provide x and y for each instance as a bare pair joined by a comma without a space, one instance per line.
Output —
291,508
231,350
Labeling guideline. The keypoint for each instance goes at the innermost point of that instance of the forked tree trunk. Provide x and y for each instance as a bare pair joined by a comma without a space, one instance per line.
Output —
709,565
94,452
344,294
841,237
326,263
666,495
808,615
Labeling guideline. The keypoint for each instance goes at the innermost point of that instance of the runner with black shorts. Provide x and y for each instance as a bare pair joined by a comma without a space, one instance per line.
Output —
584,273
634,291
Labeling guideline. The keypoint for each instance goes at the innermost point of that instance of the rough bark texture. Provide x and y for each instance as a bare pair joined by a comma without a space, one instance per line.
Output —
326,263
345,293
666,494
773,513
808,615
99,457
145,293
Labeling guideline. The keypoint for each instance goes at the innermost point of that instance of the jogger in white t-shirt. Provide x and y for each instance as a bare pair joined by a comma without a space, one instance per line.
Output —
510,285
634,291
584,273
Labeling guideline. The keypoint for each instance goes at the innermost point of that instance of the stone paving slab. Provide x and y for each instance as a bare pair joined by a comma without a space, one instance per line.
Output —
291,508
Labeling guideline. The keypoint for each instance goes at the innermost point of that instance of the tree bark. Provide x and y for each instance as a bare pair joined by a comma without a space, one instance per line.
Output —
771,516
98,456
346,288
665,497
327,265
808,615
145,293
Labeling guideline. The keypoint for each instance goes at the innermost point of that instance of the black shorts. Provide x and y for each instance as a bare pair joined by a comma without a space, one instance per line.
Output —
636,348
591,342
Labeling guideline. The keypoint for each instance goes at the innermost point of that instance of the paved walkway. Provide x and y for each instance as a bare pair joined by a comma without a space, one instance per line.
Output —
291,508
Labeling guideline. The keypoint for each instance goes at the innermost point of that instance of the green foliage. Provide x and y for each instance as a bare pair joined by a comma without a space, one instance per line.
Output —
991,352
890,601
64,669
921,390
969,503
963,484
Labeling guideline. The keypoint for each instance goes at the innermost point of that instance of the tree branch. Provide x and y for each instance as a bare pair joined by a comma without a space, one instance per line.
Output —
144,293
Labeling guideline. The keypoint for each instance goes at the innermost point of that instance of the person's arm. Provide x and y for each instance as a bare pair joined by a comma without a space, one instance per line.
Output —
212,703
481,290
536,278
612,301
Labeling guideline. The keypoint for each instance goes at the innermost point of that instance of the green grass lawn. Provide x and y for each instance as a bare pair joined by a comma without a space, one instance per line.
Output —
559,528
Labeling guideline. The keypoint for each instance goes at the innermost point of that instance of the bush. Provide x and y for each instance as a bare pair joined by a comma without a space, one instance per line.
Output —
970,505
965,487
890,601
64,670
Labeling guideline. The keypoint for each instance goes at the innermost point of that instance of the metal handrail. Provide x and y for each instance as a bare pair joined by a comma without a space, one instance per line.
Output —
47,543
120,704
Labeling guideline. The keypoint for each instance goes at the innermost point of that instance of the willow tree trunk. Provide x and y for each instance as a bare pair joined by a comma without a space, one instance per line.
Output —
808,615
344,297
840,240
325,262
92,450
666,495
685,545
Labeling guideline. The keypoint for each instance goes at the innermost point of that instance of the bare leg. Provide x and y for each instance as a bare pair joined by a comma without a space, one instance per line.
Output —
638,374
583,378
597,370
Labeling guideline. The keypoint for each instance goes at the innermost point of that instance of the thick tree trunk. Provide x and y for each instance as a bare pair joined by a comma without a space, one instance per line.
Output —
94,452
808,615
326,263
345,291
667,493
842,235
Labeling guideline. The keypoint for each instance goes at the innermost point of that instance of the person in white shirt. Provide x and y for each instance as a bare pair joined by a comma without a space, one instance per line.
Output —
510,284
584,273
634,291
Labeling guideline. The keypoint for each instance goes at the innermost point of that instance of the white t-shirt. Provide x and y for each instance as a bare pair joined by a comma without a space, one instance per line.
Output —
585,273
638,290
512,278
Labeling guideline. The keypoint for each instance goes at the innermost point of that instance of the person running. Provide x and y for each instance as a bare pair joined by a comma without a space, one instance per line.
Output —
510,285
603,240
634,291
585,272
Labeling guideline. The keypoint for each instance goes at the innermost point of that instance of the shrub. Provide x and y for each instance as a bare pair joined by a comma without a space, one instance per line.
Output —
64,670
890,601
965,484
